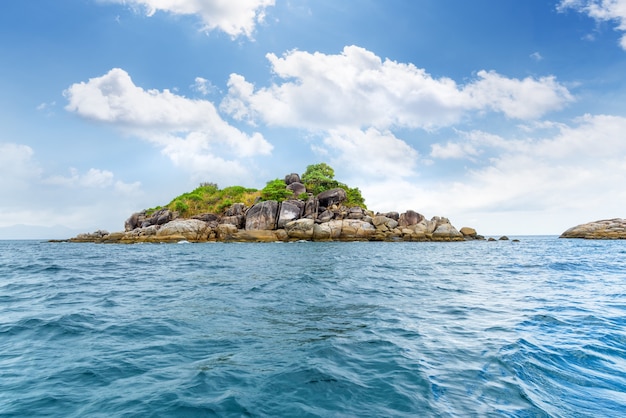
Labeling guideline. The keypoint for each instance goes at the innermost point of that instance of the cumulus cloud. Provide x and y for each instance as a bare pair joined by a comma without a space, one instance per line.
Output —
235,18
17,166
386,155
601,10
203,86
578,170
190,132
356,88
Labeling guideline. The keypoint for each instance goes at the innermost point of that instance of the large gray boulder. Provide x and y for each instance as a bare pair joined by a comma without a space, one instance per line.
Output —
603,229
263,215
311,207
297,188
332,197
290,210
447,232
410,217
292,178
300,229
188,229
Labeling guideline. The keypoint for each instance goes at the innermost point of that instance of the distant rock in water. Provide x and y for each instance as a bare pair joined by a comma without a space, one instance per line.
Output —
604,229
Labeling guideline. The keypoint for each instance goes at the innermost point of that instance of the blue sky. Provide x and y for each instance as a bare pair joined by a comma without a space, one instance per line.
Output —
504,115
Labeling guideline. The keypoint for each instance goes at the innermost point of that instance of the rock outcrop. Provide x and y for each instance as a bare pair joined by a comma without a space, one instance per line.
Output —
603,229
321,217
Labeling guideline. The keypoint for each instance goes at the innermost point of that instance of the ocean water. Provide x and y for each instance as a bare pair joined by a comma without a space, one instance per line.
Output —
529,329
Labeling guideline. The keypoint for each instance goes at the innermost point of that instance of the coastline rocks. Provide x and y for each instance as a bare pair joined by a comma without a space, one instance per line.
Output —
602,229
290,210
184,229
262,215
332,197
324,217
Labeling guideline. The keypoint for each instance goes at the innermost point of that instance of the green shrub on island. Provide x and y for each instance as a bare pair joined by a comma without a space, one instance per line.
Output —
276,190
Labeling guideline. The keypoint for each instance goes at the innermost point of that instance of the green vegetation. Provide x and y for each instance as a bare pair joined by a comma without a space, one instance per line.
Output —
276,190
208,198
321,177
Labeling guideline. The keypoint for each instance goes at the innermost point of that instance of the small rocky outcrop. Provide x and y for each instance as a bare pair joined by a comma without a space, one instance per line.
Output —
603,229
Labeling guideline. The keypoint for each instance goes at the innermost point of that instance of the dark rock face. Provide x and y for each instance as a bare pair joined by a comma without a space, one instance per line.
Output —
311,207
236,209
263,215
392,215
297,188
207,217
237,220
292,178
290,210
332,197
409,218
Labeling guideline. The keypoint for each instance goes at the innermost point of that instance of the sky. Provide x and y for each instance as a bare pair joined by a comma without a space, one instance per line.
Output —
506,116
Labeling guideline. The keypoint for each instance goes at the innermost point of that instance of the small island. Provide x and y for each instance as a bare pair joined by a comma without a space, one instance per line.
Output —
312,207
603,229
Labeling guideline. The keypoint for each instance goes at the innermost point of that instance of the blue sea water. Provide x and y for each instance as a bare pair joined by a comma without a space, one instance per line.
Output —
529,329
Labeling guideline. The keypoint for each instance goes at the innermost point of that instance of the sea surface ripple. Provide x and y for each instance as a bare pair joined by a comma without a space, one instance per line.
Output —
535,328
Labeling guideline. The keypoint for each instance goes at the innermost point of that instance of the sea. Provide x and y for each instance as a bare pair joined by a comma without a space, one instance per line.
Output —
535,328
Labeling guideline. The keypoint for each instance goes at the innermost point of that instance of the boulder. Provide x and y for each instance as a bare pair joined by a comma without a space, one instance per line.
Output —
354,229
297,188
332,197
262,215
325,216
207,217
446,232
384,223
290,210
134,221
237,209
255,236
355,212
311,207
238,220
292,178
603,229
410,217
188,229
330,230
226,232
393,215
300,229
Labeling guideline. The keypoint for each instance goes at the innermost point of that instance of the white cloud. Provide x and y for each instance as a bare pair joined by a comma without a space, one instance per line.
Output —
186,130
235,18
547,184
203,86
94,178
17,166
601,10
521,99
536,56
356,88
370,153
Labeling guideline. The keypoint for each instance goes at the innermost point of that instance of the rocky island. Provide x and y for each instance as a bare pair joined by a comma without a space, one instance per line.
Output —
603,229
312,207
